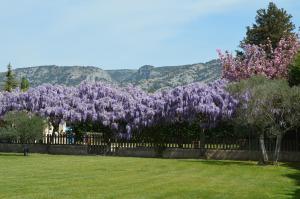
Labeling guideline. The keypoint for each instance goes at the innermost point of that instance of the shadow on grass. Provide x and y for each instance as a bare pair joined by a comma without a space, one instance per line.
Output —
223,162
294,176
11,154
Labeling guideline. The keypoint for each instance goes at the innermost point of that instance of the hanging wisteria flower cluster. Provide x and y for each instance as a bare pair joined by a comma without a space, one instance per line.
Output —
123,109
260,60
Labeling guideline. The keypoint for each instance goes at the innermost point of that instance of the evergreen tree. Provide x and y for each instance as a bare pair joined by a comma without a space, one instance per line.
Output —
24,84
10,82
271,24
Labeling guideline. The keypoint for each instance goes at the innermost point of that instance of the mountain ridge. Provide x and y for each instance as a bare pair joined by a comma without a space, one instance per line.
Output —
147,77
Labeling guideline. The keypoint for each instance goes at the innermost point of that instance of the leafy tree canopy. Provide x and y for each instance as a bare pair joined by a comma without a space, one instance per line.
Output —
22,126
270,105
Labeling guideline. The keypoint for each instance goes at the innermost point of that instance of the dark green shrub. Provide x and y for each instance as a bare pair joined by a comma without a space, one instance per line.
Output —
294,72
22,126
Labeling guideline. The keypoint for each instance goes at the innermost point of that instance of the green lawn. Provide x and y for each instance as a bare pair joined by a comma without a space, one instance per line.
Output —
51,176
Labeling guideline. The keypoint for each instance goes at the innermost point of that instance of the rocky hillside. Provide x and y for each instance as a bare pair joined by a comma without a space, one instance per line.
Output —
153,78
147,77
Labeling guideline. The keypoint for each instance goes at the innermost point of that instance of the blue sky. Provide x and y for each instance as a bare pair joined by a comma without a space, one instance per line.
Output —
114,34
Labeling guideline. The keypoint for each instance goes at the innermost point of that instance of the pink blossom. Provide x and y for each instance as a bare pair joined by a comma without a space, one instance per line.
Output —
256,61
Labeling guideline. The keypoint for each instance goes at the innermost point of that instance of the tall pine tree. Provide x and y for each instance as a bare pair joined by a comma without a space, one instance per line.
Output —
10,82
272,23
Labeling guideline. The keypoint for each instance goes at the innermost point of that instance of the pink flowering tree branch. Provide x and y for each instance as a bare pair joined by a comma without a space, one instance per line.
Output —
260,60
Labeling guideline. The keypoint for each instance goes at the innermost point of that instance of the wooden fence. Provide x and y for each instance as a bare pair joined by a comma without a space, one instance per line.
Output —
99,142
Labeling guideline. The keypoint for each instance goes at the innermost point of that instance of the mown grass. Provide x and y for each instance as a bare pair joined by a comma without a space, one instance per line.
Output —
51,176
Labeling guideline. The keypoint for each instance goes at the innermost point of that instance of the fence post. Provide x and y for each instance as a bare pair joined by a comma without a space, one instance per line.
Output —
249,142
202,139
297,146
249,147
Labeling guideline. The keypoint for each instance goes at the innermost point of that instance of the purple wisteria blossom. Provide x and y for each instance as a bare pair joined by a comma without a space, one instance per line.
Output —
123,109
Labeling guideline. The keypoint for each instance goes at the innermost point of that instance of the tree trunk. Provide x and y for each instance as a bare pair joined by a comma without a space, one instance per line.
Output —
265,158
277,148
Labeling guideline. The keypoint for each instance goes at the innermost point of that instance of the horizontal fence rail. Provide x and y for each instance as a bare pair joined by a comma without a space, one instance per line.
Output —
101,144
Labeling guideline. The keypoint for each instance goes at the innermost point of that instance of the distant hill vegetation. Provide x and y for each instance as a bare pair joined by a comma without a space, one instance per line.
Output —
147,77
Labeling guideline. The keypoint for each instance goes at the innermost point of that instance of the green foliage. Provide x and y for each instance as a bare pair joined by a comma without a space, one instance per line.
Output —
294,72
273,24
10,82
24,84
159,134
22,126
80,128
267,106
164,133
224,129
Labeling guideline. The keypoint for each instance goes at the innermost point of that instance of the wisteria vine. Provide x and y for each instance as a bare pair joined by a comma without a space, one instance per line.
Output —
123,109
